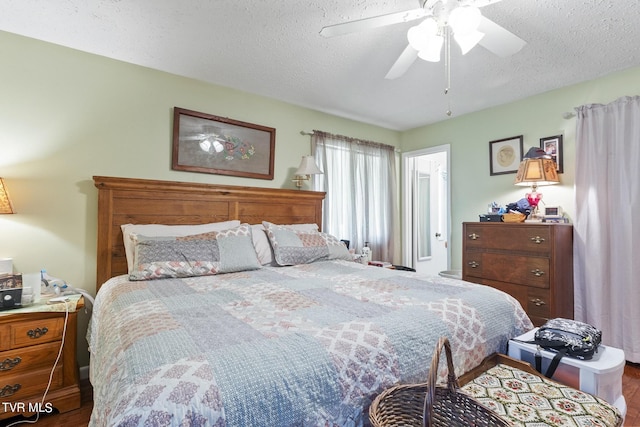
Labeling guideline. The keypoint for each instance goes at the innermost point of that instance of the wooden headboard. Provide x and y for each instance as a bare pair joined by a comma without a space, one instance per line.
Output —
143,201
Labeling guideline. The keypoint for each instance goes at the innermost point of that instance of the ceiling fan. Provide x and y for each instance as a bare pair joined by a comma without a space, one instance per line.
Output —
440,20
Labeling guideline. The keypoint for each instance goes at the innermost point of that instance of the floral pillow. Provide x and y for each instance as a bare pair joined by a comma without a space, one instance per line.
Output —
214,252
294,246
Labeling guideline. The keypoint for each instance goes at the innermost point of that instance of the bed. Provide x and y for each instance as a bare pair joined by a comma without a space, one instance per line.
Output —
306,344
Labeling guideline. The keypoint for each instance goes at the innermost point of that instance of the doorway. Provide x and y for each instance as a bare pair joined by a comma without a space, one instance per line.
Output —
426,209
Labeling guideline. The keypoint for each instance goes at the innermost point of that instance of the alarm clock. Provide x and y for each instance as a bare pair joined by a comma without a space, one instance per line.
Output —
553,211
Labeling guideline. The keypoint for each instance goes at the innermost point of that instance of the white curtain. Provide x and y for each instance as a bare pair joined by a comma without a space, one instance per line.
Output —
360,181
607,223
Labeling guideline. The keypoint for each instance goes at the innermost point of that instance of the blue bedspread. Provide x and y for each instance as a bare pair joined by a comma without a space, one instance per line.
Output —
309,345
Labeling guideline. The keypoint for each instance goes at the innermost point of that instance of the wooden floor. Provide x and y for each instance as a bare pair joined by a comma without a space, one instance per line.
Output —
80,417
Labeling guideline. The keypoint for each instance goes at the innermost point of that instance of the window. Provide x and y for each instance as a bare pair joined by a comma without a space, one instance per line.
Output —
360,181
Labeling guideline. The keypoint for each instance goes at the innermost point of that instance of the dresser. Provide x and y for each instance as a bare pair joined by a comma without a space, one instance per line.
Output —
29,346
533,262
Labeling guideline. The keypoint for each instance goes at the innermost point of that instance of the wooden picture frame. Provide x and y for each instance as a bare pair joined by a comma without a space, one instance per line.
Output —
218,145
505,155
552,146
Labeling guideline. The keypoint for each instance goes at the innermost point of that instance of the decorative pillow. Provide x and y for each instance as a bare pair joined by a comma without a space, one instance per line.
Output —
261,241
155,230
158,257
292,247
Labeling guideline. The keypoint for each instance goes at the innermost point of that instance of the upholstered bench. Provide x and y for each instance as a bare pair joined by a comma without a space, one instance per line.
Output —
519,394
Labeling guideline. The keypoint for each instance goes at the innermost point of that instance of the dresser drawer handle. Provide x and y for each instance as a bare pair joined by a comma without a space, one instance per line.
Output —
8,364
9,390
538,302
474,264
537,272
537,240
37,332
474,236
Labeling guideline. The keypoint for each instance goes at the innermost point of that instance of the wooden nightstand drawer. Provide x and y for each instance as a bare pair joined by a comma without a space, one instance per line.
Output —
36,331
30,340
28,358
17,387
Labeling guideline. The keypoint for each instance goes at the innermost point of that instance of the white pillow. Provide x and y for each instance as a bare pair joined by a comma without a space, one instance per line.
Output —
261,241
157,230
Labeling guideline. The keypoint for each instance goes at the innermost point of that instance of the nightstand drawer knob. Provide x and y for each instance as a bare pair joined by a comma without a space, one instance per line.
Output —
474,236
537,272
37,332
474,264
9,390
538,302
537,240
8,364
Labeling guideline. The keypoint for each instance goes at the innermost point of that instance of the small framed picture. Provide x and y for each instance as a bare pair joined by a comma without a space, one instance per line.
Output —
552,145
505,155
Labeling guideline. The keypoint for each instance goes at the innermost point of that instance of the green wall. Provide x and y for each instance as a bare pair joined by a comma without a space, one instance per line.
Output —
66,116
536,117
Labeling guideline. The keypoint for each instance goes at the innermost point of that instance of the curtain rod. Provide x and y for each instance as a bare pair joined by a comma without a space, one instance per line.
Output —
311,133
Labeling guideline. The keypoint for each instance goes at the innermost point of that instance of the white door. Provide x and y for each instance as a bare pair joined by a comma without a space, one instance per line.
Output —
426,209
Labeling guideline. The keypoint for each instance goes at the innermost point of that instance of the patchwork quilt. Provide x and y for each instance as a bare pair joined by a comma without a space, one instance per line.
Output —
307,345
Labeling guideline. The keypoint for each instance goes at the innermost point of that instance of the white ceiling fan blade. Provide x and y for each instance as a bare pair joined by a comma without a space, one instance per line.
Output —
375,22
480,3
402,64
499,40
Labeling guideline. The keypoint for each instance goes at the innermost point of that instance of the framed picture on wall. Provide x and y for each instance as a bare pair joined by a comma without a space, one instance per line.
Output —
505,155
219,145
552,145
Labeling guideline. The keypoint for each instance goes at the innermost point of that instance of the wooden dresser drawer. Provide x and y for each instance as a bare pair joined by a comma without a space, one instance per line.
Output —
522,270
539,303
17,387
36,331
523,238
28,358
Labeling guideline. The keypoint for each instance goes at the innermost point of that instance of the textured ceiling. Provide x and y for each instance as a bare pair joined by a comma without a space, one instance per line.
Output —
272,48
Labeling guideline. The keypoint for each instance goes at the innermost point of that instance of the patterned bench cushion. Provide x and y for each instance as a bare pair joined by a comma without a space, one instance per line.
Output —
529,400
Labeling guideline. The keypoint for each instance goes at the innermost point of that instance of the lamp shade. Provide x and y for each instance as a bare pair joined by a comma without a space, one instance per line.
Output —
5,201
308,166
538,171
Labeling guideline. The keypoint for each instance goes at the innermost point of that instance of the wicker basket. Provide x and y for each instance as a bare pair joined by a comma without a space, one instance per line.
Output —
427,405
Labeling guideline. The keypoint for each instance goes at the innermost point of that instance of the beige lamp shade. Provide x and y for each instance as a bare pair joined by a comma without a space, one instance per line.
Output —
534,172
307,168
5,202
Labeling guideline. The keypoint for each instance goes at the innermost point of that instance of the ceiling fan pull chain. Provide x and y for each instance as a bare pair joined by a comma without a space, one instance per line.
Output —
447,66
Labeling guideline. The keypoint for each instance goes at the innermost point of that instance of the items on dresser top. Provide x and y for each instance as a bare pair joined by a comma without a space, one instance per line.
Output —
531,261
10,291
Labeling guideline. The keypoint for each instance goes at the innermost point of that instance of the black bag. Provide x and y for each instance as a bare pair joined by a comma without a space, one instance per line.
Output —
568,338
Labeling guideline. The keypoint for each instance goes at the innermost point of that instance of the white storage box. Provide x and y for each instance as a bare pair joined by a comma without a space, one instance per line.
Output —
601,376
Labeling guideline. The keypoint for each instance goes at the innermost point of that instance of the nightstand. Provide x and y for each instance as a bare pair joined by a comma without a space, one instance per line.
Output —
30,339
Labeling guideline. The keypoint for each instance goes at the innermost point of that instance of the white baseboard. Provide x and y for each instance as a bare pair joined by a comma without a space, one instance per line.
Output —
84,372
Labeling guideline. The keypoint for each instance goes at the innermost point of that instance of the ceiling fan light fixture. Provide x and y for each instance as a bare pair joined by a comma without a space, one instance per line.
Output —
468,41
432,50
464,19
420,34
